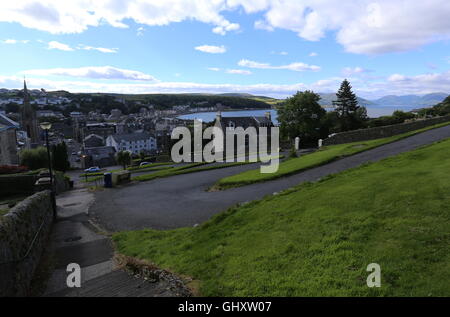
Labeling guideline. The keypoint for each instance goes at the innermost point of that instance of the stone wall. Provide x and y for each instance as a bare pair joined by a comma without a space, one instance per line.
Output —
18,229
382,132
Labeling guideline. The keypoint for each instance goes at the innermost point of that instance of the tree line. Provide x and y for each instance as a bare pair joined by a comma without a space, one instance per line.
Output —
302,115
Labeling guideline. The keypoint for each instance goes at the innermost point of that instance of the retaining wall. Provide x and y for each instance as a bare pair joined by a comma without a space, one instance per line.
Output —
18,229
382,132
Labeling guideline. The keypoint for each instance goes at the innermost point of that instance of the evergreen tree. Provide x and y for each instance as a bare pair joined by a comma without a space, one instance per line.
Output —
60,157
351,116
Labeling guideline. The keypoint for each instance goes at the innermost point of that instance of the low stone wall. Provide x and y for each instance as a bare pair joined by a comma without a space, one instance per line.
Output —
18,230
382,132
24,184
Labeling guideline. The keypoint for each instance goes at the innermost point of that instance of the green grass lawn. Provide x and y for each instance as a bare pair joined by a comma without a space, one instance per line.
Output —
318,238
320,157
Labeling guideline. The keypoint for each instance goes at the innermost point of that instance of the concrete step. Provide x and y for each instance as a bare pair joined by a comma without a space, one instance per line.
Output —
117,284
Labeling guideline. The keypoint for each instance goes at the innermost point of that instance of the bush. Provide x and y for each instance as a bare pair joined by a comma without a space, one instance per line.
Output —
34,158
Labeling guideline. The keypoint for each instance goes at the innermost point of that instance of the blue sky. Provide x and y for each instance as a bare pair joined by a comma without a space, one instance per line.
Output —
263,47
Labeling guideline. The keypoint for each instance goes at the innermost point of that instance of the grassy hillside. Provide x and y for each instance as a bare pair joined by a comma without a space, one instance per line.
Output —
317,239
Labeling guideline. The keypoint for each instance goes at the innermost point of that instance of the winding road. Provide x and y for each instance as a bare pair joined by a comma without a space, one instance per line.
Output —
182,200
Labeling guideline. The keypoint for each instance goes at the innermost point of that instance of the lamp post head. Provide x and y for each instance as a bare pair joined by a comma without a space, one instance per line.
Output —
46,125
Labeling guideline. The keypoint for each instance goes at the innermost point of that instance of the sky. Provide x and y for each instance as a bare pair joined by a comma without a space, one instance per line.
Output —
263,47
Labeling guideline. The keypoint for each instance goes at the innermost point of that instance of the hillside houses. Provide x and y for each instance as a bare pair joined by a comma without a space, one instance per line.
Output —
133,142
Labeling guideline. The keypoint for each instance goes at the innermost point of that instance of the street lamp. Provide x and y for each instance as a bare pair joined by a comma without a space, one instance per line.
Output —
46,126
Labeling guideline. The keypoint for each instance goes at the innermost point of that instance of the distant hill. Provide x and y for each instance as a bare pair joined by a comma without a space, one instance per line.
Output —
412,100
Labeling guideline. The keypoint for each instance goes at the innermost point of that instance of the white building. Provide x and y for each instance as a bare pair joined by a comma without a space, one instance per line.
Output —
133,142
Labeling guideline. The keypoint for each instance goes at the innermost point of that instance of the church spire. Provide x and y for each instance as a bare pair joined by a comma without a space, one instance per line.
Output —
25,92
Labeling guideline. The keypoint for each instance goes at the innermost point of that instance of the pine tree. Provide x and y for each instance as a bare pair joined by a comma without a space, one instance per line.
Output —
351,115
60,157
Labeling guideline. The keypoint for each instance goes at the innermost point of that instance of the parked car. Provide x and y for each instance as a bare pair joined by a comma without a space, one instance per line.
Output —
92,169
144,163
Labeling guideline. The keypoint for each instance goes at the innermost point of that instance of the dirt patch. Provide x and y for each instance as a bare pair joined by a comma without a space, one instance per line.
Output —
180,286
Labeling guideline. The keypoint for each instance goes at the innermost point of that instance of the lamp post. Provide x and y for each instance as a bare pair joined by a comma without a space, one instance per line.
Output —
46,126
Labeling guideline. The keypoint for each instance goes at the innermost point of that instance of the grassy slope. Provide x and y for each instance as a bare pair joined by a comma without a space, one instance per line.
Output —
317,239
321,157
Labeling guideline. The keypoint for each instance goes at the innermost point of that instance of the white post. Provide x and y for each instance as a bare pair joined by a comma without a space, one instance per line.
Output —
320,143
297,143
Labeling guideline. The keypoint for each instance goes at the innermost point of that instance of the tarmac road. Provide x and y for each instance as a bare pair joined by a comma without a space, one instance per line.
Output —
182,200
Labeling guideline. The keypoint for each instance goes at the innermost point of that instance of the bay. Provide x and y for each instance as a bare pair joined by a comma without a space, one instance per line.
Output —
372,111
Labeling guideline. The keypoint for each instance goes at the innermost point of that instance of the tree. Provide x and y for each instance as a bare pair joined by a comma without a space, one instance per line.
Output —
301,116
34,158
124,158
60,157
351,115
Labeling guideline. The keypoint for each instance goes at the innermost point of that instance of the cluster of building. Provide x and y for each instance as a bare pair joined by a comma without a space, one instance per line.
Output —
15,136
145,133
100,136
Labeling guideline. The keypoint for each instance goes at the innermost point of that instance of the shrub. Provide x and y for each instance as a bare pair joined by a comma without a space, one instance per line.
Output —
34,158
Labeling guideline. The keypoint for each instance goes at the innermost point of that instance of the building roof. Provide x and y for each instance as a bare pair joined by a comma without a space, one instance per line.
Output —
131,137
246,122
100,152
93,136
7,123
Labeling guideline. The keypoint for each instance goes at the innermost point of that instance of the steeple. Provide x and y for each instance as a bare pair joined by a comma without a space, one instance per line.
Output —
28,117
26,98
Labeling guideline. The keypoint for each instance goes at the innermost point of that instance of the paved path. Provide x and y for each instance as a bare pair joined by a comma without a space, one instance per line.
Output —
182,200
75,239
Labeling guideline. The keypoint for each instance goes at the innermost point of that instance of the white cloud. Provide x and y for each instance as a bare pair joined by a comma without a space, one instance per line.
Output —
313,54
93,72
211,49
239,71
226,27
282,53
363,26
54,45
65,47
13,41
76,16
140,31
298,67
263,25
349,71
214,69
100,49
397,84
